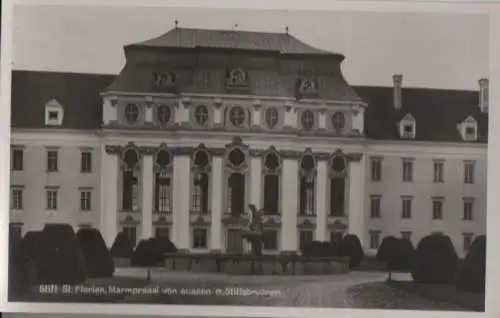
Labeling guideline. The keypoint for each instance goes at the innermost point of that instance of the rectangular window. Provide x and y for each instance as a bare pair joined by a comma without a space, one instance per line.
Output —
375,206
469,172
16,198
51,195
85,200
270,240
406,207
305,237
200,193
336,236
376,169
131,234
468,238
468,209
17,159
374,239
52,160
407,170
406,235
438,171
163,193
162,232
200,238
437,208
16,231
86,161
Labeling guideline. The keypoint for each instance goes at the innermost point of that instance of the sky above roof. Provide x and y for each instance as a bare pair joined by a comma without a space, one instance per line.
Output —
431,49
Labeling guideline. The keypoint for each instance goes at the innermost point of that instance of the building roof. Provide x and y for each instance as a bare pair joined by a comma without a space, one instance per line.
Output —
231,39
78,93
437,112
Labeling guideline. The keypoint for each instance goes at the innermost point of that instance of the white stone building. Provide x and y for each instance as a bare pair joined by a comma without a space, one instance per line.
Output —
201,123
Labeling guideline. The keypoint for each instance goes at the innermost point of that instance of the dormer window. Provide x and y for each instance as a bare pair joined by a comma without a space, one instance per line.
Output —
407,127
53,113
468,129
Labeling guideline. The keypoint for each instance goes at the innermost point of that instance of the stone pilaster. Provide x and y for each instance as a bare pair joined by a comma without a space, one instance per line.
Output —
216,205
289,199
109,196
357,198
321,206
181,193
147,197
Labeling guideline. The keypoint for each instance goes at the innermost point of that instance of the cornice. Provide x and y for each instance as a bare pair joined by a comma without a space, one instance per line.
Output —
236,143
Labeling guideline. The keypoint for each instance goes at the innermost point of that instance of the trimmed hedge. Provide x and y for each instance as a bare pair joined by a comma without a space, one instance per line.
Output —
471,272
398,254
122,247
97,256
351,247
152,251
435,260
61,259
22,270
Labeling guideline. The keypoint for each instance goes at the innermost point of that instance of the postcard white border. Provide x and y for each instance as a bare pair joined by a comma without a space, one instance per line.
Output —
493,198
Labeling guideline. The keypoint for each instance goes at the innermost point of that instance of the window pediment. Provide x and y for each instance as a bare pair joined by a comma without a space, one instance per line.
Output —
54,113
407,127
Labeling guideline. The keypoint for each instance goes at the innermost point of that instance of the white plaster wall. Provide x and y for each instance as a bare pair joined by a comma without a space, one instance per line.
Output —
34,178
391,188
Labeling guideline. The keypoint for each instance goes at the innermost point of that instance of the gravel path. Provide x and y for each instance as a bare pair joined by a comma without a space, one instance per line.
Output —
353,290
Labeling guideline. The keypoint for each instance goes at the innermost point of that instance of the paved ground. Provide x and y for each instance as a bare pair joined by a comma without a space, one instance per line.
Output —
353,290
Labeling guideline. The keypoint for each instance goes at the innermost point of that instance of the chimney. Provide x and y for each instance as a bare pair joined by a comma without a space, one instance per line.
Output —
484,84
397,96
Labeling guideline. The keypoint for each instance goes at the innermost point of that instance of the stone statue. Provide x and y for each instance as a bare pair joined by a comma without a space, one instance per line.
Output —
255,234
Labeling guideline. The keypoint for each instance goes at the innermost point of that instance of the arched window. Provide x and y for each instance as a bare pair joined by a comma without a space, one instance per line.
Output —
201,183
271,183
307,185
163,182
337,186
236,182
130,180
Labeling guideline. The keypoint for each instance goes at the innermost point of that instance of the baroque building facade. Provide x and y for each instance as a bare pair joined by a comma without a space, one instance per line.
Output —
201,123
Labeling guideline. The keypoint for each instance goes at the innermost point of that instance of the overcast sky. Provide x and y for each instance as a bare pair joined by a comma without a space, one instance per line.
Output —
431,50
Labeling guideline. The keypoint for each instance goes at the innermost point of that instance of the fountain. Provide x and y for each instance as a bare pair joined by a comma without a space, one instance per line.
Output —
254,234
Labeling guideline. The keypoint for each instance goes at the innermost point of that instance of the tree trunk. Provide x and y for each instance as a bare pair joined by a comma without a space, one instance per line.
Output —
390,276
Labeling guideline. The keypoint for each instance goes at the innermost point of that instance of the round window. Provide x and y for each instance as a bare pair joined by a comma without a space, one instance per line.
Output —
201,115
131,113
237,116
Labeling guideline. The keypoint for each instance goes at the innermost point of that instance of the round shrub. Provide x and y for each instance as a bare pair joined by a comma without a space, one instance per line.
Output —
122,247
407,254
97,256
351,247
386,249
435,260
471,271
22,270
152,251
61,258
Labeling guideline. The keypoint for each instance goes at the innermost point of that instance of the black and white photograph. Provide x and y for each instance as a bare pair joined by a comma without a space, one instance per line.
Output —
244,157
